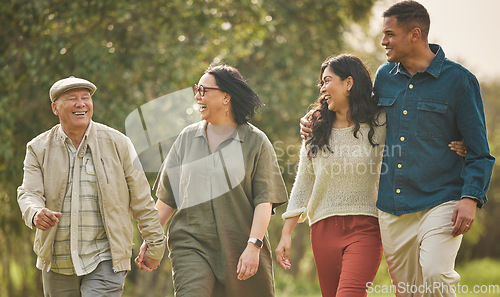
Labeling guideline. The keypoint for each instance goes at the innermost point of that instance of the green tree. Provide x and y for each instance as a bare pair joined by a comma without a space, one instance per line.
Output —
137,51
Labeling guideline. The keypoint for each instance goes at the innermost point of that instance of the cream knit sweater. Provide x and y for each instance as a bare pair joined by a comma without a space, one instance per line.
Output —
341,182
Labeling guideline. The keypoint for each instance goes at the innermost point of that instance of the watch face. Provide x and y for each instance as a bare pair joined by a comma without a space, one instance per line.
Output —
256,241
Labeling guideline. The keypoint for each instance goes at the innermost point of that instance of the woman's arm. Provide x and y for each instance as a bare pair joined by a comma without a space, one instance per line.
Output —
285,244
249,259
164,211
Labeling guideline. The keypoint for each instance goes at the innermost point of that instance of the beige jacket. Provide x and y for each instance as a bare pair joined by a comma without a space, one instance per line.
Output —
122,189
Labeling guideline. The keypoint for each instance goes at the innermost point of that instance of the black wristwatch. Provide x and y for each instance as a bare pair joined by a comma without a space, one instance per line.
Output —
257,242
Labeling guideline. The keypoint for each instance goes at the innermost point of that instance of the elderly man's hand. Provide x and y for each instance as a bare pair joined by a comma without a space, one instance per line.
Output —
144,262
45,219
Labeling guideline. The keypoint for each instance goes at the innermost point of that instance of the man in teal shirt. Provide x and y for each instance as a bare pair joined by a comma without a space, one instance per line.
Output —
427,195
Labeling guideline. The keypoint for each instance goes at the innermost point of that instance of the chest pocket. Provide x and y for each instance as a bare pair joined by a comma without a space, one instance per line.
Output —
431,118
89,166
388,105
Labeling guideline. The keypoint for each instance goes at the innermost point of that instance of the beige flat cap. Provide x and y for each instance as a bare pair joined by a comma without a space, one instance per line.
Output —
69,83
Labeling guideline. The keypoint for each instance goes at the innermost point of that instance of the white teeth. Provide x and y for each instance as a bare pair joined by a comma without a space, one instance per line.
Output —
80,113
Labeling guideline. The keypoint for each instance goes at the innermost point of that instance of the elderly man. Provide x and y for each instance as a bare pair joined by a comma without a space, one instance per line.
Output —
81,181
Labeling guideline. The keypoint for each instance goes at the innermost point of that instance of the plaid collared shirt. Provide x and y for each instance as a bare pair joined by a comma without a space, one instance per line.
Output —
80,243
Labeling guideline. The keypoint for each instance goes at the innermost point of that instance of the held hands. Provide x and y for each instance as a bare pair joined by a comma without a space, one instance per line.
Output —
45,219
144,262
249,262
283,252
463,216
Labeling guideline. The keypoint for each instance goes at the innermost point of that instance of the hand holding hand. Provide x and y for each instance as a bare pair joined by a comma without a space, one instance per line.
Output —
144,262
45,219
150,263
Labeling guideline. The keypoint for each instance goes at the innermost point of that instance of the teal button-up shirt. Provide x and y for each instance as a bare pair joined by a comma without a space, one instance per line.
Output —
425,112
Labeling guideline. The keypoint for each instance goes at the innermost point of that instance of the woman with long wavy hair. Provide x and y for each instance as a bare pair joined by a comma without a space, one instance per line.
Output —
337,181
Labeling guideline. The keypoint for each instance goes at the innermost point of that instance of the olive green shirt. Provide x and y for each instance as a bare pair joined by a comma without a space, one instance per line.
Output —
215,196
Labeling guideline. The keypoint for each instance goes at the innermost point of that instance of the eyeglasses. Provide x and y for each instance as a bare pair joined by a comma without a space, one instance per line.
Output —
202,89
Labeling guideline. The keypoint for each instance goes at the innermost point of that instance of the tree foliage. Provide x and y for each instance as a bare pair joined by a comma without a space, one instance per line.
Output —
135,51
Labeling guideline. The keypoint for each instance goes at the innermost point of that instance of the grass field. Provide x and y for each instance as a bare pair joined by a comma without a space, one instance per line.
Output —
478,278
480,275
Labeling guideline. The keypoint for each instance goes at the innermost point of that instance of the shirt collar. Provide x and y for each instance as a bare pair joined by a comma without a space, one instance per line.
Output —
83,143
436,65
238,134
433,69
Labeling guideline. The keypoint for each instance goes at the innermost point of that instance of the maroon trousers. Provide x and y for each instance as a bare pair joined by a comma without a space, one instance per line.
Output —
347,252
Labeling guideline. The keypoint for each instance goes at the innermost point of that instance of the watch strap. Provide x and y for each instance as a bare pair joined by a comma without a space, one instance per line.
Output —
257,242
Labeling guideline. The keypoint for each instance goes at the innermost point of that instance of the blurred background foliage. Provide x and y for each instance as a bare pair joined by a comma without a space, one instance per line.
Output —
135,51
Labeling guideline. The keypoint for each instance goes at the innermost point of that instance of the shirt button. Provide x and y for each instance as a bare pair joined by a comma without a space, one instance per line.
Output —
410,86
402,138
399,165
405,112
398,191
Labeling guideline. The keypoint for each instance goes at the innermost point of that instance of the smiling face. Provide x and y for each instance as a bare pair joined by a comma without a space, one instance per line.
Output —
396,40
74,109
333,87
212,104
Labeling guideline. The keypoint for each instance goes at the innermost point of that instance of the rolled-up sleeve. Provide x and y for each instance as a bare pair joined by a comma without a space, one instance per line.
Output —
267,182
302,188
165,184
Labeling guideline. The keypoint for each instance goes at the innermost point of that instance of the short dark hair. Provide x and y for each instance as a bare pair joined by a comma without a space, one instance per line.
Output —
410,14
244,100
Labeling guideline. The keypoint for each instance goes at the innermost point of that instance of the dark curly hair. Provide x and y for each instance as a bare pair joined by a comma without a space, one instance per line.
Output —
362,108
244,100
